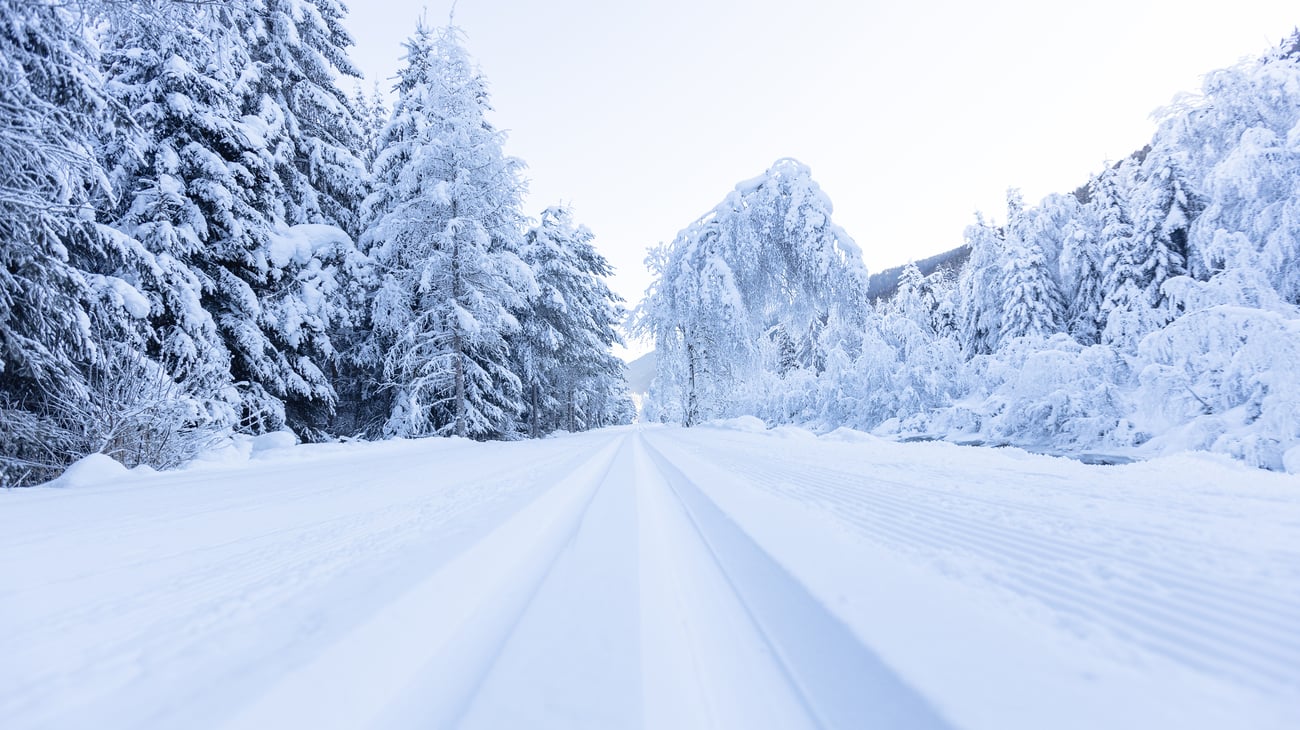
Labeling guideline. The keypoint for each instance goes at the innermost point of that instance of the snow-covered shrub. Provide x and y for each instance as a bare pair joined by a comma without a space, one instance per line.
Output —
1050,391
1223,377
131,409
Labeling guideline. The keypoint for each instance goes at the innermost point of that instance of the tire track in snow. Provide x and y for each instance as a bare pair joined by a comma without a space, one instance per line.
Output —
1216,628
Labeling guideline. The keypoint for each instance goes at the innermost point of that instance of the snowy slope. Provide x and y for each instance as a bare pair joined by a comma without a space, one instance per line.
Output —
656,577
640,373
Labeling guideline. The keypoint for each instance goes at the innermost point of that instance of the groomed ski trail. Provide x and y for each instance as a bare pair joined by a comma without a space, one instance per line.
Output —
620,598
655,578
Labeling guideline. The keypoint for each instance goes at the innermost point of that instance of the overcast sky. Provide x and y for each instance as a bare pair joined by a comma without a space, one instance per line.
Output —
912,115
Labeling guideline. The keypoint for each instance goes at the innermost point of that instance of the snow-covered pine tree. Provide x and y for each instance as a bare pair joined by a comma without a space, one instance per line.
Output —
1163,211
1080,267
1031,301
444,230
372,115
1124,308
296,51
912,300
313,134
913,360
53,102
72,316
571,379
198,185
979,291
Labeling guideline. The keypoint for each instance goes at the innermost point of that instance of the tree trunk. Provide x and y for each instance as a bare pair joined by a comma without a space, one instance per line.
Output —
534,429
692,400
457,345
460,384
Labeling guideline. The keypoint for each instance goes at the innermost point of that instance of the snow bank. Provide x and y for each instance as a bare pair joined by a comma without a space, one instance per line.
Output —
91,470
746,424
273,441
847,435
1291,460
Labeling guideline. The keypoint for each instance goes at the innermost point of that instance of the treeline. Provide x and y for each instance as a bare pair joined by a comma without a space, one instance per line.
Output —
203,233
1156,308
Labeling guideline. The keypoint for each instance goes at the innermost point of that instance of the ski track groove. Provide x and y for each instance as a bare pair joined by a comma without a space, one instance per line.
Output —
413,691
1198,625
652,458
832,679
691,652
562,548
820,654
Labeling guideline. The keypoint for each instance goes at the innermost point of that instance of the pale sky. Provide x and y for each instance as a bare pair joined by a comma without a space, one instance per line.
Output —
912,115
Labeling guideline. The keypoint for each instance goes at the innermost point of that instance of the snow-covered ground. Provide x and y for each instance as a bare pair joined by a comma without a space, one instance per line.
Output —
718,577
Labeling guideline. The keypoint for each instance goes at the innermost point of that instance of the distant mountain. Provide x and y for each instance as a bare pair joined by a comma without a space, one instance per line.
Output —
883,284
640,372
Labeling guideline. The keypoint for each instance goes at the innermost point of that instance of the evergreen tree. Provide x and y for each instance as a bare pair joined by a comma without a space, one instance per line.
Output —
1164,210
1031,300
73,316
571,379
1081,272
53,102
198,187
913,300
313,135
372,114
1124,306
979,292
296,49
444,229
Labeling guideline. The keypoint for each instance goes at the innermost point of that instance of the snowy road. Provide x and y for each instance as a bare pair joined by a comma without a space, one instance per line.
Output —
656,578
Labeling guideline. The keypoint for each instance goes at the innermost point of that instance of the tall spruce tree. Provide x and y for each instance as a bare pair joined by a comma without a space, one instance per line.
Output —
444,230
567,327
979,290
1164,208
1031,301
372,115
1081,270
296,50
197,183
53,101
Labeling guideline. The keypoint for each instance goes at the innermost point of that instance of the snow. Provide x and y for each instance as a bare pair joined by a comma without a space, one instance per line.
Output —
90,471
748,424
274,440
725,576
1291,460
125,296
301,243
